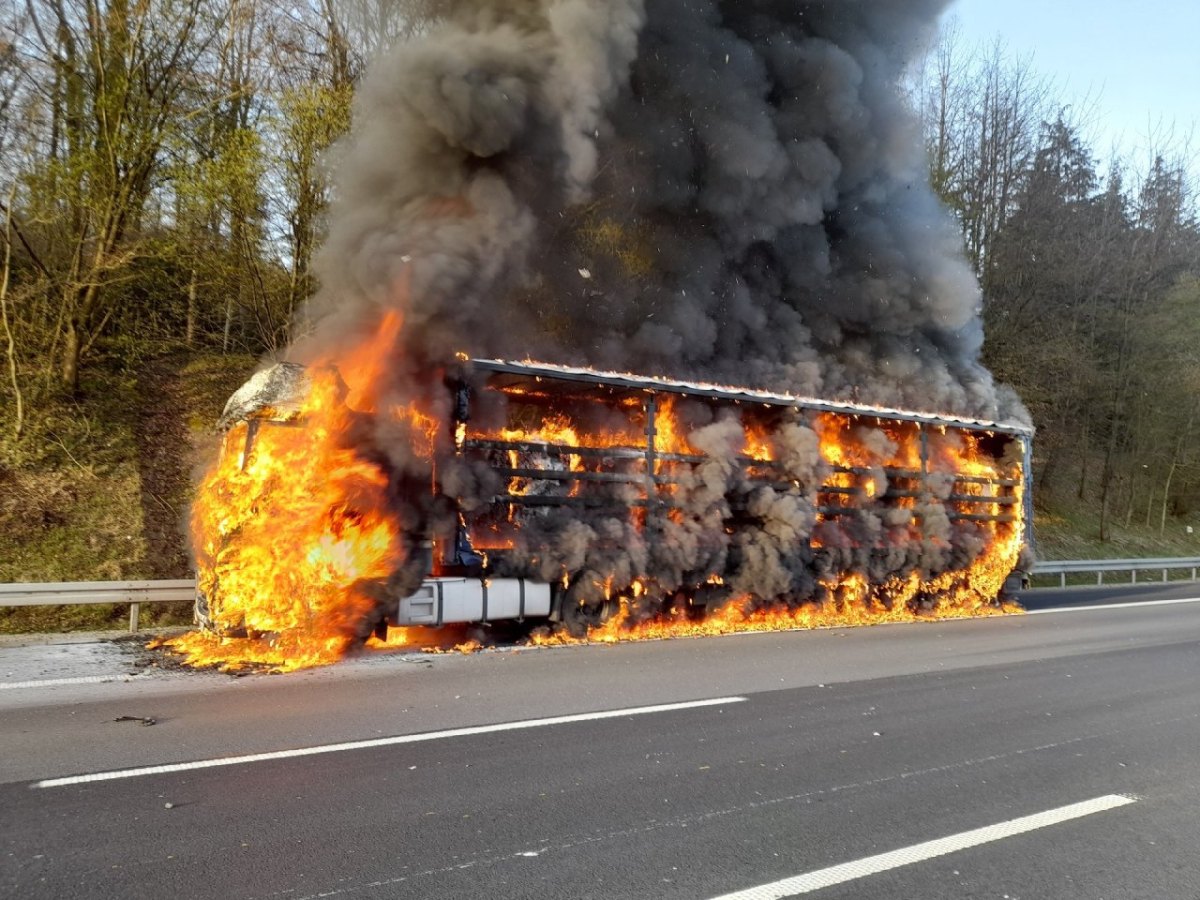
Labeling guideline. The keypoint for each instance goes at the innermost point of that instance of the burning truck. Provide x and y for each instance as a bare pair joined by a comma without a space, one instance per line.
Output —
611,504
731,193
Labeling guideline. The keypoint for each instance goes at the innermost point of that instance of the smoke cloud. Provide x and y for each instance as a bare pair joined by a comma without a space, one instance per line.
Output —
731,191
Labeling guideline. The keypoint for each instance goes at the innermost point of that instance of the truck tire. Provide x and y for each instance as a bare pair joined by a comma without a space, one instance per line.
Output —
201,612
579,618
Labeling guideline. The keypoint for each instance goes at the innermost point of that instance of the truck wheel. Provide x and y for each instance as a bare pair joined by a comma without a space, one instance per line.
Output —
201,613
579,618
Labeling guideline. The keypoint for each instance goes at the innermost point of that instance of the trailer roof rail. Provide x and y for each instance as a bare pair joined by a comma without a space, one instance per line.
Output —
528,369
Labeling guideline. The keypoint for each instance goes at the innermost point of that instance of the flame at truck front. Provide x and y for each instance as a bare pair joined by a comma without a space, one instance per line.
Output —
292,524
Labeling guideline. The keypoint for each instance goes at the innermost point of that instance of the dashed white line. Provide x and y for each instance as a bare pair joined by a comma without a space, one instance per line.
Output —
380,742
1128,605
905,856
53,682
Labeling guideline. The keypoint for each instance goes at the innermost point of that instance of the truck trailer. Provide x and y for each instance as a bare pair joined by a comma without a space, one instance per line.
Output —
559,493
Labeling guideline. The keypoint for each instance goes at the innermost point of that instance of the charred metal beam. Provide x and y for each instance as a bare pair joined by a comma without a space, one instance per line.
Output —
923,492
585,502
568,475
1027,493
651,411
918,516
631,453
956,498
988,501
983,479
617,452
252,427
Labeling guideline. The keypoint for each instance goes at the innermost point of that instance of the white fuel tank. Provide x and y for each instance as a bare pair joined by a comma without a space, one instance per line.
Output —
441,601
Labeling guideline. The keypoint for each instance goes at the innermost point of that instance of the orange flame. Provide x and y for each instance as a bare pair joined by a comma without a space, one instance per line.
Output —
288,534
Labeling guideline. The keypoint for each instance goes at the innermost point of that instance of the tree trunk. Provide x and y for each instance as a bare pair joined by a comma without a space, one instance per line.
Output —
189,334
19,421
228,325
72,349
1084,450
1162,525
1176,456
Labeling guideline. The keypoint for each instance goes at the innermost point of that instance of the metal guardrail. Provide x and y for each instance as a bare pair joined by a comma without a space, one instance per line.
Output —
1065,567
183,590
70,593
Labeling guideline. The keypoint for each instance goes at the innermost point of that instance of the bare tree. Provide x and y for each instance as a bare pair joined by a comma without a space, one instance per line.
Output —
120,75
981,109
6,323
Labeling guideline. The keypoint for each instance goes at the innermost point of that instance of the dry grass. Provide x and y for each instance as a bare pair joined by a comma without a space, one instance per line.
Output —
1075,534
77,493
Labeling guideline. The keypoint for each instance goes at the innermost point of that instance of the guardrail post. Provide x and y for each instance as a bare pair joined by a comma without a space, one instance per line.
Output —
1062,579
1164,575
1100,578
134,610
1193,573
1133,574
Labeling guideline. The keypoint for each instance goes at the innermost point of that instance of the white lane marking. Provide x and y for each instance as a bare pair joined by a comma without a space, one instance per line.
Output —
871,865
1128,605
52,682
380,742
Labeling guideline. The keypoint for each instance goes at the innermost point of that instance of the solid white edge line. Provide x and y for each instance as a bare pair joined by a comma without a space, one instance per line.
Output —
871,865
1129,605
380,742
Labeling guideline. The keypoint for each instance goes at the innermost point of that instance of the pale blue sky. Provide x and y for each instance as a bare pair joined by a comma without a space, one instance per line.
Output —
1138,62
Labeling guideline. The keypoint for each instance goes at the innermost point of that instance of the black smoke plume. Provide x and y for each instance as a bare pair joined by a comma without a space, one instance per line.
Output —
732,191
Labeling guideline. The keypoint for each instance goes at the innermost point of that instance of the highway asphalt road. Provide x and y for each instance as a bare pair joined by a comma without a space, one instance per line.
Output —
1056,753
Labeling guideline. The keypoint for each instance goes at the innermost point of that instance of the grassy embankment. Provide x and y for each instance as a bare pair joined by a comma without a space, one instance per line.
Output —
99,490
99,487
1070,530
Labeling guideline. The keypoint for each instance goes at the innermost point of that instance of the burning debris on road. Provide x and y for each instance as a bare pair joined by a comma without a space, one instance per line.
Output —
747,194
